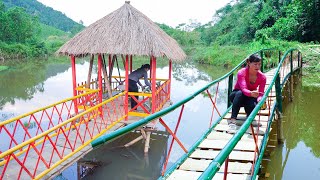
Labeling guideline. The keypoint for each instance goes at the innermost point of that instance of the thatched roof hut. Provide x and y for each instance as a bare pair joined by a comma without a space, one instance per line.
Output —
125,31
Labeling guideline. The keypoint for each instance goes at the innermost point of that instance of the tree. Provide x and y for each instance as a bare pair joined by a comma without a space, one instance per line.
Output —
16,26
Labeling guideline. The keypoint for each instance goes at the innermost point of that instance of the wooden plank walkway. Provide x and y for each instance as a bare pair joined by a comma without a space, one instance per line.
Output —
241,158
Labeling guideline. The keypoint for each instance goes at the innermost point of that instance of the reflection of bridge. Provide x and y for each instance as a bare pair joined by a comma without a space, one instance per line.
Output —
42,142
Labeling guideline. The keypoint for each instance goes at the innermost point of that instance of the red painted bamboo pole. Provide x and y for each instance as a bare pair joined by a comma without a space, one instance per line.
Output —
100,80
153,84
74,82
130,63
173,135
127,86
175,132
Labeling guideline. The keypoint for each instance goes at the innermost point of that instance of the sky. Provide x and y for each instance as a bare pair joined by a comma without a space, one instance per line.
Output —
170,12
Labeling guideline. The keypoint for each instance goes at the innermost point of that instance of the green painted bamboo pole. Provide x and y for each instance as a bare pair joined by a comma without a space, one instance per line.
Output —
278,92
230,86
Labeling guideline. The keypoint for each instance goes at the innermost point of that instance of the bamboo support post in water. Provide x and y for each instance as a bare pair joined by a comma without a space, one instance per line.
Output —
146,146
106,82
133,141
143,136
291,77
143,133
90,72
279,127
291,88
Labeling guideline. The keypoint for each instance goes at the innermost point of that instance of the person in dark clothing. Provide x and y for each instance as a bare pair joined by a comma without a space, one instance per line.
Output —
134,79
248,90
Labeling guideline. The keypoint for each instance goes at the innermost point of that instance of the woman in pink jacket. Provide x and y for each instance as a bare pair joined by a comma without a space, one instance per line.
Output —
248,89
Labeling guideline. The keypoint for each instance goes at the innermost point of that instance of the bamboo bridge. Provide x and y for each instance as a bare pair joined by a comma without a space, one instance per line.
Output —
61,136
42,143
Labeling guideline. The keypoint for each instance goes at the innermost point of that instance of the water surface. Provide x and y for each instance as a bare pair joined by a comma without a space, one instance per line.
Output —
299,156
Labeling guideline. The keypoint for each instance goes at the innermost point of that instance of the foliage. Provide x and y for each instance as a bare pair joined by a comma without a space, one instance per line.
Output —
19,50
243,27
184,38
47,31
53,38
2,68
22,35
13,18
274,19
46,15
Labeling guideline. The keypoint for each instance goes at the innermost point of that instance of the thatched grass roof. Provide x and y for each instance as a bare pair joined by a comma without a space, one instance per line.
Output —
125,31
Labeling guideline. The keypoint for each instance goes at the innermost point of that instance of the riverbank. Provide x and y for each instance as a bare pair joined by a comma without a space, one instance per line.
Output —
232,55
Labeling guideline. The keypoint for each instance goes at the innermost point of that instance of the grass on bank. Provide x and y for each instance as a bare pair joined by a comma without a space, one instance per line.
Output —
2,68
233,54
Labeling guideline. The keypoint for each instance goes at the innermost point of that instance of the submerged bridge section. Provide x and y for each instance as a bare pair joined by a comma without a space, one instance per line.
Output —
42,143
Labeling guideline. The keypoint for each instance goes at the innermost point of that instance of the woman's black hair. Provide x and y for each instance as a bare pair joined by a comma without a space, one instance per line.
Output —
254,58
146,66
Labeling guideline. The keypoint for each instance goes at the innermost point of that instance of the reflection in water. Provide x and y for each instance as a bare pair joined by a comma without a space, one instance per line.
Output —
299,156
22,83
30,85
120,163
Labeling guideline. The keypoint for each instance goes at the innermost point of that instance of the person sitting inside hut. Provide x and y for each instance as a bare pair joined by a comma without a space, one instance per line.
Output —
245,91
134,79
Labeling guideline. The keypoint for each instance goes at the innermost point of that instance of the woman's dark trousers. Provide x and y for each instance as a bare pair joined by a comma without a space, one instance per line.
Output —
238,100
133,87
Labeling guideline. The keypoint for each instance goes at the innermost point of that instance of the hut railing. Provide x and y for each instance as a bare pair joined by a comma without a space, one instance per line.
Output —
145,104
162,95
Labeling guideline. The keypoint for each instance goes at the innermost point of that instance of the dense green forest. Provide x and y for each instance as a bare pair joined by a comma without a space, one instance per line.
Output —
27,29
46,15
243,21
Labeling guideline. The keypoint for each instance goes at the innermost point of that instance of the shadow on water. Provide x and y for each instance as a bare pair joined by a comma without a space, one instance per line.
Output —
299,156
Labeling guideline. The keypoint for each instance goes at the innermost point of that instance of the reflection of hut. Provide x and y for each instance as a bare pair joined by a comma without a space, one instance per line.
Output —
124,33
